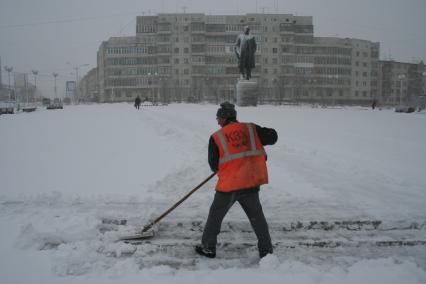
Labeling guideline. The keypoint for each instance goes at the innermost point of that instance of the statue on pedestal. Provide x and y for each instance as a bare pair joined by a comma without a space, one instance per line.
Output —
244,48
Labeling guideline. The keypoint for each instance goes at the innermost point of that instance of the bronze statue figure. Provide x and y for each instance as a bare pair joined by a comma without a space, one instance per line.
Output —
244,48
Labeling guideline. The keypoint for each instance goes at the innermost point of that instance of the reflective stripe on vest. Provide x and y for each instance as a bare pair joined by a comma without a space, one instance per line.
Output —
253,152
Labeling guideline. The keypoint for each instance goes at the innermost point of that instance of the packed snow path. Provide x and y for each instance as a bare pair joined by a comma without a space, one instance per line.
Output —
345,185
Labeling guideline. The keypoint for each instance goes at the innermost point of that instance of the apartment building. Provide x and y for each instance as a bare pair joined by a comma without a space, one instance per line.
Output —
190,57
402,83
365,71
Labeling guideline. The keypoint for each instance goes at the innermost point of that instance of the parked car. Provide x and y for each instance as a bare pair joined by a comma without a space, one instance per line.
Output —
56,104
406,109
7,107
46,101
29,108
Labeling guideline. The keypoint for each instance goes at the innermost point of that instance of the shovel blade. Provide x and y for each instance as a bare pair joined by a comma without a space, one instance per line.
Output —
137,238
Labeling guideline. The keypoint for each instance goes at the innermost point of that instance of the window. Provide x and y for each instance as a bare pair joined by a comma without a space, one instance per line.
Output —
274,50
197,26
201,48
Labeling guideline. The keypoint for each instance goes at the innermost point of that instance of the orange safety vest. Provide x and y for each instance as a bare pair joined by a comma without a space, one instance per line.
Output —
242,158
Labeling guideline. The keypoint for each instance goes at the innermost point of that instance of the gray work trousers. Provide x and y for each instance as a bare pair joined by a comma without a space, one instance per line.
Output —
249,201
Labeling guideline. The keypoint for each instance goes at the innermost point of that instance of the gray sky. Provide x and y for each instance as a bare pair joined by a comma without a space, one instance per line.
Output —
46,34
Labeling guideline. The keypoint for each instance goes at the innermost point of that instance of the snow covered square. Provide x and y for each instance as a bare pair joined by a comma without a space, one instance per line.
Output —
345,203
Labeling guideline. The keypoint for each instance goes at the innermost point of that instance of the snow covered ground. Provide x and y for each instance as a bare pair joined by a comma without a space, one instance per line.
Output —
346,200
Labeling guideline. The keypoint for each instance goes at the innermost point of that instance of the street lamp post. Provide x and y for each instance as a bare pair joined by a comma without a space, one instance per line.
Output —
156,93
149,84
9,69
424,82
35,73
151,89
334,79
159,88
54,76
76,68
401,77
422,102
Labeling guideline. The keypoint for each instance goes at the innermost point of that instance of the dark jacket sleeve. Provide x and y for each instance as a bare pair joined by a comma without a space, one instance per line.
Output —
267,136
213,155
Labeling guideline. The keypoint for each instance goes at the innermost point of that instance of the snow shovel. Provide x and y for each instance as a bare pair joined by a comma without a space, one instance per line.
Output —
146,233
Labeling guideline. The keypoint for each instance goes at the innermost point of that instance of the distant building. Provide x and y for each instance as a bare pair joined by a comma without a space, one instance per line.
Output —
365,71
88,87
401,83
190,57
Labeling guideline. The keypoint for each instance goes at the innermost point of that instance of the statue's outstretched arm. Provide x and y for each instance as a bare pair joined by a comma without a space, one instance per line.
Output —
237,48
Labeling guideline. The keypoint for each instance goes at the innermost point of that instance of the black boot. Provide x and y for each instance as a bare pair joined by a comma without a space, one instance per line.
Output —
205,251
265,251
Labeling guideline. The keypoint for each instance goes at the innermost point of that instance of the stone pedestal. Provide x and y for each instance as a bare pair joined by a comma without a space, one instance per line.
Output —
247,93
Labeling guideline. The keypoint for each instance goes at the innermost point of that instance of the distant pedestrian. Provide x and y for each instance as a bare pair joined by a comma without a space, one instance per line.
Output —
374,104
137,102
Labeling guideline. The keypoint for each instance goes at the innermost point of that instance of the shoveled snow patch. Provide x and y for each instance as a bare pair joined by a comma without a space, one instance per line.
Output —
30,238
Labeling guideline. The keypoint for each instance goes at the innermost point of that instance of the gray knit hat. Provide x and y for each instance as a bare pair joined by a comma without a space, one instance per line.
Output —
227,110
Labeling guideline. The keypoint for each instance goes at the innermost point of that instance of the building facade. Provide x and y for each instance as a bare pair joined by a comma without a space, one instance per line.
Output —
190,57
88,87
402,83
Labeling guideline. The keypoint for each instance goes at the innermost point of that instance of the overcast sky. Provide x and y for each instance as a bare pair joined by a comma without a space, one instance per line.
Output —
46,34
